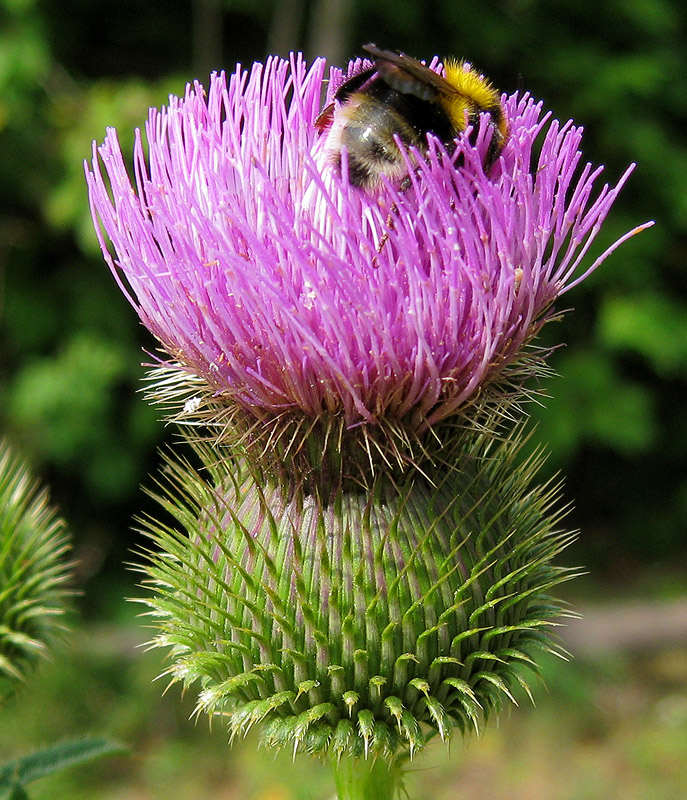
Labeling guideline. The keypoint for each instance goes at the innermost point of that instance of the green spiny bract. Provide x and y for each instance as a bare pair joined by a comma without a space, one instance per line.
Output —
363,622
33,572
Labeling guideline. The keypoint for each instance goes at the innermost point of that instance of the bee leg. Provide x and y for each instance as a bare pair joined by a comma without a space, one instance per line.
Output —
495,147
385,236
403,186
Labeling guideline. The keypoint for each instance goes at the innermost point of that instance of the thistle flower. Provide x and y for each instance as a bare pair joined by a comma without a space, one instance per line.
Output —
290,298
362,558
33,572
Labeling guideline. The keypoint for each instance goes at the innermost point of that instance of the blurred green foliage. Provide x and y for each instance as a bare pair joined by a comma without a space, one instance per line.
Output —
71,347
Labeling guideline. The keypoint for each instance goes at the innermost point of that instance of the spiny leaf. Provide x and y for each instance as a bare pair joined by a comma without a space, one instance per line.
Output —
384,741
309,716
317,738
482,655
412,732
421,685
463,687
279,732
351,699
341,739
395,707
497,681
366,726
305,686
438,715
261,708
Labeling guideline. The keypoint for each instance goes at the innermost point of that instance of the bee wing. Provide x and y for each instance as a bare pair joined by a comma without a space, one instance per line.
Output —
408,76
352,84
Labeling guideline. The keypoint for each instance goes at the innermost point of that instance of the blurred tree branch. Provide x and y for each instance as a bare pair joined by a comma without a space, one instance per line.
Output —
329,32
285,27
208,54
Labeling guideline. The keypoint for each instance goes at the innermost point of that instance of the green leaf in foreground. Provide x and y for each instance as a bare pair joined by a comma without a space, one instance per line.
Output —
18,773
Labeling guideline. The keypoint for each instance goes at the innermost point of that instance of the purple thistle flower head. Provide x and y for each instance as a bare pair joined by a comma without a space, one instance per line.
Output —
288,293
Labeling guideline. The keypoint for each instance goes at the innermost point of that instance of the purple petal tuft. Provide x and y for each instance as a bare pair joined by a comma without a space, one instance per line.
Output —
262,271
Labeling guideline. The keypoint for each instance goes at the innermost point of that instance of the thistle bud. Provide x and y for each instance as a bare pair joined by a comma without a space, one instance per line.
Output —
357,623
33,573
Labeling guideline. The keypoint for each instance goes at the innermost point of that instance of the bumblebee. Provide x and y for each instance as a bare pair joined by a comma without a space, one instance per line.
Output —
400,97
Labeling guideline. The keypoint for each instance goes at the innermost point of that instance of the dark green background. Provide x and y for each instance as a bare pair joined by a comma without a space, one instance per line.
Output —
71,347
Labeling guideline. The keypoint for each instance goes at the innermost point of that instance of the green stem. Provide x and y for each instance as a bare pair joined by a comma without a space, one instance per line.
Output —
366,779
